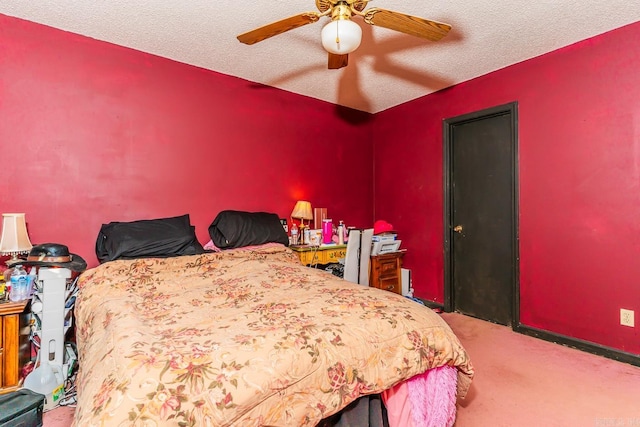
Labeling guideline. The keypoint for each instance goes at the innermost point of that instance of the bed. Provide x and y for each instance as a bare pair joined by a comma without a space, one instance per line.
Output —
245,336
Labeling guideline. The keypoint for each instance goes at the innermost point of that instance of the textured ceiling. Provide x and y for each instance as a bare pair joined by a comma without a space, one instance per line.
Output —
388,69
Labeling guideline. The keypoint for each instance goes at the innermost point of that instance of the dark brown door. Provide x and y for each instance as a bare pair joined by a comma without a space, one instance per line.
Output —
481,214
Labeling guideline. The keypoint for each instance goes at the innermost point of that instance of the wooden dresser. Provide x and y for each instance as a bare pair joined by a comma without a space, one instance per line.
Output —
14,344
386,272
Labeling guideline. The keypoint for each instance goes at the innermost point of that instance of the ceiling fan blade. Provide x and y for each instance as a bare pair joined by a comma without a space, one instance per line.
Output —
278,27
338,61
408,24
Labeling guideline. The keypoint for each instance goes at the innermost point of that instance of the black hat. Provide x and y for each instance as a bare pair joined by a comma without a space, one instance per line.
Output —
55,255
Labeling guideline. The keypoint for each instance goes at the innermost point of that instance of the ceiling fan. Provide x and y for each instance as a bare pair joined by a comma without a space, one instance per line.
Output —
342,36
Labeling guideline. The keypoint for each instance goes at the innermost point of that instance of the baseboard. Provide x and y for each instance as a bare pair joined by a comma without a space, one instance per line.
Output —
432,304
589,347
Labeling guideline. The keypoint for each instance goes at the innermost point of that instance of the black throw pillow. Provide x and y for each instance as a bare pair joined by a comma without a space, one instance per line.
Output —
148,238
235,229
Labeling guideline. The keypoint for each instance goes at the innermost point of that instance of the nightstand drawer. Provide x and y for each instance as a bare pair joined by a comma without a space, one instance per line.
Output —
391,284
333,256
320,255
387,268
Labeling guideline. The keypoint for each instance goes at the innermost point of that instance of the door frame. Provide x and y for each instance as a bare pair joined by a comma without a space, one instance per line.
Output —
511,108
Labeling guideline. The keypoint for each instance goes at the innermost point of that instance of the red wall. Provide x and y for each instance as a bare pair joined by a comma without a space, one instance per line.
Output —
579,159
92,132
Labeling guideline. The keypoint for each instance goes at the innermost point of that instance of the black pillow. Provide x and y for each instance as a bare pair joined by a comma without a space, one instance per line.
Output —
235,229
147,238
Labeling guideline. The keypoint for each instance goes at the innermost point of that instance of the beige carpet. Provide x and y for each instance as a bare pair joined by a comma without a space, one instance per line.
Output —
526,382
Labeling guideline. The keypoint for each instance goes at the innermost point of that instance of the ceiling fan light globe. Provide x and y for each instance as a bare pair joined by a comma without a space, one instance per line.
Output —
341,36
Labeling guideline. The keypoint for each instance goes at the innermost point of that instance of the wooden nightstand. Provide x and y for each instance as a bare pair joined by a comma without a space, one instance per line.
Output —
311,255
14,343
386,272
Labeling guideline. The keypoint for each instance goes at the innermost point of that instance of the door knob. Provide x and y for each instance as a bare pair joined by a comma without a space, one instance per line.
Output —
458,229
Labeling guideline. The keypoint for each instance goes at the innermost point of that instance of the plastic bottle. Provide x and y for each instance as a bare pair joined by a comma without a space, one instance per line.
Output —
7,276
341,233
46,380
19,284
36,306
33,275
294,234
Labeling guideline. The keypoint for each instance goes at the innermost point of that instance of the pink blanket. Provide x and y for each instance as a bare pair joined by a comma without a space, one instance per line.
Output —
428,399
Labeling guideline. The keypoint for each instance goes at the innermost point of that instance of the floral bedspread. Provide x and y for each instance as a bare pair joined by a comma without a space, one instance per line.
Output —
247,338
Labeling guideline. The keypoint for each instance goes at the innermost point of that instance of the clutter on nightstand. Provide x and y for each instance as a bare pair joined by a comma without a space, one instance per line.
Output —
374,258
385,239
302,211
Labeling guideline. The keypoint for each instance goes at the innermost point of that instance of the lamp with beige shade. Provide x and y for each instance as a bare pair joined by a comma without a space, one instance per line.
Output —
15,239
302,211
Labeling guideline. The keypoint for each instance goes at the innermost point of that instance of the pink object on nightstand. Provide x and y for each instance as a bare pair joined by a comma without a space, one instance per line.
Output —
327,231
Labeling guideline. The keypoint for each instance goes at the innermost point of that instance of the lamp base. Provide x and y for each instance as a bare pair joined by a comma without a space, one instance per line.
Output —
14,260
301,238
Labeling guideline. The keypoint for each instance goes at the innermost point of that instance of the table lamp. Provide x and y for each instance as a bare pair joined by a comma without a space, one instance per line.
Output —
302,211
14,240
